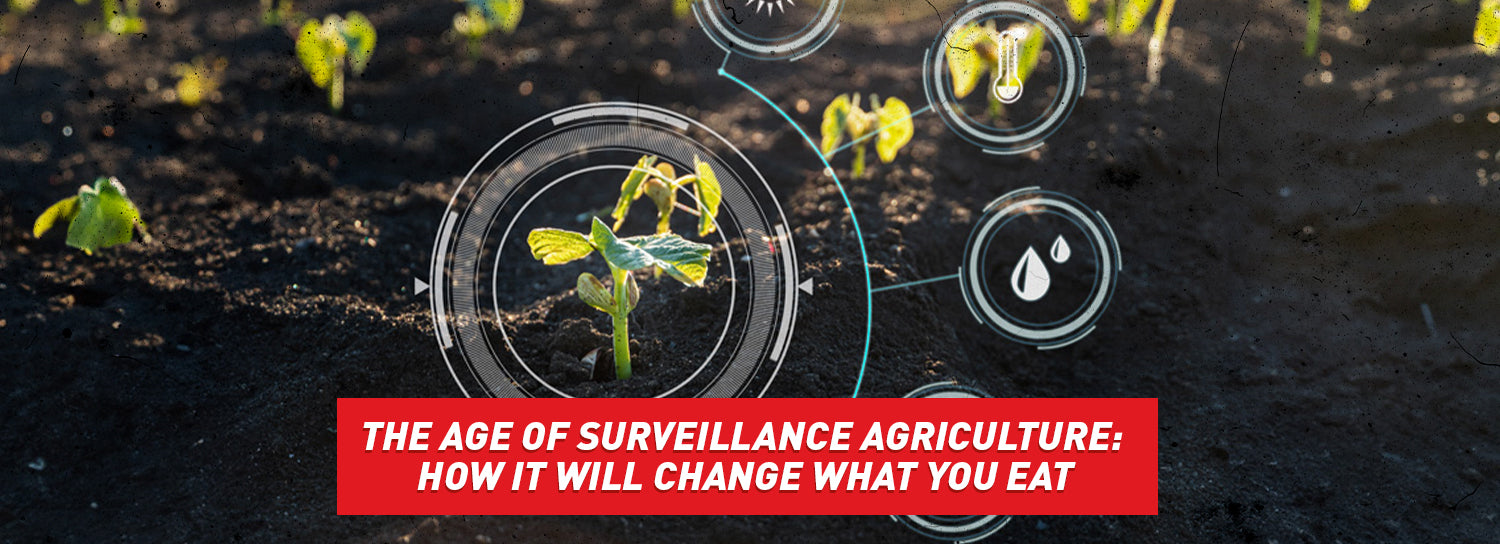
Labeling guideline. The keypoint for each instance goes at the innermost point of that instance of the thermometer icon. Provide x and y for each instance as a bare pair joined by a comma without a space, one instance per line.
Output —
1007,88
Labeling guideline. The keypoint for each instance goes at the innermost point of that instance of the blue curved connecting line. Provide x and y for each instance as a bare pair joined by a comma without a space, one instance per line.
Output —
858,236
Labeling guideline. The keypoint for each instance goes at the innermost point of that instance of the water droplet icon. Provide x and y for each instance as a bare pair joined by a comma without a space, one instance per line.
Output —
1060,250
1030,279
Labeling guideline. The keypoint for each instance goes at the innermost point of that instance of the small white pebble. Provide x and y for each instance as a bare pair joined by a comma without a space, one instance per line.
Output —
37,464
68,131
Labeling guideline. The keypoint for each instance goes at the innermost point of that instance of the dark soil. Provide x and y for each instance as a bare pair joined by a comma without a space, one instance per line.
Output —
1284,223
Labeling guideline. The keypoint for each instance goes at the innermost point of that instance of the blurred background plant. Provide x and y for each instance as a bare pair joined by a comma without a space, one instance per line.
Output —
326,49
277,12
890,124
121,22
198,81
482,16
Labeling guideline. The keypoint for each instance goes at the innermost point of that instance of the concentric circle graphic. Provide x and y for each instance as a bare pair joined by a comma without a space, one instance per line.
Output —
1022,136
771,30
1040,268
492,301
952,528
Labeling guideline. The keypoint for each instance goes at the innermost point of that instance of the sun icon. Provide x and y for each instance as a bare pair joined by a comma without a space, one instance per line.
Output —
770,5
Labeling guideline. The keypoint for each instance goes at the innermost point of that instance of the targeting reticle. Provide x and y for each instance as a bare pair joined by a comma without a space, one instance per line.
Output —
769,29
1040,268
508,324
952,528
1024,122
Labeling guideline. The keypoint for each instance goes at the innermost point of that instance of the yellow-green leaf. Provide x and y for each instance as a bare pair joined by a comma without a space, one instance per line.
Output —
1079,9
105,217
895,116
631,188
316,54
1132,14
1487,27
965,63
1031,51
834,117
359,34
594,293
557,246
505,14
62,212
1359,5
709,194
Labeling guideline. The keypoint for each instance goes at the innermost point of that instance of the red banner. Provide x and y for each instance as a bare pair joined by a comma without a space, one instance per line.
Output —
938,456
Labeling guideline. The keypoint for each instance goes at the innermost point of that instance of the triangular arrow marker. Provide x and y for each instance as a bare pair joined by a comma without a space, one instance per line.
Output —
421,286
806,286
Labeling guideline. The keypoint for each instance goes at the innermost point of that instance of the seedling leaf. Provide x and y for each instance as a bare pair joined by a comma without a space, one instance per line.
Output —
595,293
1487,27
1132,14
895,116
359,33
505,14
965,63
1358,6
316,54
709,194
1031,51
1079,9
61,212
834,118
105,217
619,254
631,189
684,260
632,292
557,246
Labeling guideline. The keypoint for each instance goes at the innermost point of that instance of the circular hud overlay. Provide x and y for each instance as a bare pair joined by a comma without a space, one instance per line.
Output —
1040,268
952,528
1050,91
510,326
769,29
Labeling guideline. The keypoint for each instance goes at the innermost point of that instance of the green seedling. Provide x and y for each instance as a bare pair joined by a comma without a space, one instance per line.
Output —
482,16
681,9
327,48
1010,55
98,217
658,181
681,259
199,81
890,124
23,6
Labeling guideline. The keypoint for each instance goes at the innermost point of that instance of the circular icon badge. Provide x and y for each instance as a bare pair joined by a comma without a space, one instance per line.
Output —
1040,268
769,29
952,528
511,325
1004,75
